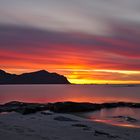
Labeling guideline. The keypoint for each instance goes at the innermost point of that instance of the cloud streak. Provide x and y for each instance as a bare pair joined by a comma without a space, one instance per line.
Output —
89,57
86,16
88,41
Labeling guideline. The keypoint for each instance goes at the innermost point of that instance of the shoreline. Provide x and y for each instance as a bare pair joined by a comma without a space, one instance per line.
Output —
61,107
52,126
33,121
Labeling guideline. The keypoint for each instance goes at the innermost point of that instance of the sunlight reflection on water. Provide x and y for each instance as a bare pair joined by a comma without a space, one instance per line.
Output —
121,116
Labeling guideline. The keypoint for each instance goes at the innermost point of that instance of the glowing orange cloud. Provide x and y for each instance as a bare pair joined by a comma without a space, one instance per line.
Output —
81,58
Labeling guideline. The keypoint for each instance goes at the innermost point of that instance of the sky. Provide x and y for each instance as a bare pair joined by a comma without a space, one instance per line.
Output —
88,41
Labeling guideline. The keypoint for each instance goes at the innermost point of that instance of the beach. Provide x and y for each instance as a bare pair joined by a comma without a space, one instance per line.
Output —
46,125
70,70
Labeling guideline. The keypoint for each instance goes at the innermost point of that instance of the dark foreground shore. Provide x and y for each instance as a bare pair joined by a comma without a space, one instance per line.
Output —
61,107
32,121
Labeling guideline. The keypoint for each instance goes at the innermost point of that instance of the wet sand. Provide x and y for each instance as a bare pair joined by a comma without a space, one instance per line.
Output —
56,126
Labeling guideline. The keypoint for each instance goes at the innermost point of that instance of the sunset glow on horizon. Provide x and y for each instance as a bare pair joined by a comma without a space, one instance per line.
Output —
89,42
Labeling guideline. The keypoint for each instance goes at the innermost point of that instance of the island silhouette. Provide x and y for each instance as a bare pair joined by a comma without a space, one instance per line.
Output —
37,77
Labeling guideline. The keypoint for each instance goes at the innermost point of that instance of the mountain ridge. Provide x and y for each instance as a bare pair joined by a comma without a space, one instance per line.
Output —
36,77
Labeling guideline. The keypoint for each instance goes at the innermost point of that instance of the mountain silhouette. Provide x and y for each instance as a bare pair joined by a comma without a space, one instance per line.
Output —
38,77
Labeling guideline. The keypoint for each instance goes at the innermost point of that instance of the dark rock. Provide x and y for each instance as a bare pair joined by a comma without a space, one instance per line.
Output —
27,110
32,108
80,125
85,127
120,104
130,119
46,113
98,133
61,118
62,107
65,107
23,108
126,118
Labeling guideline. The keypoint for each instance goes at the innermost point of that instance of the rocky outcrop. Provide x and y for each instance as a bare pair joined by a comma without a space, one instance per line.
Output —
61,107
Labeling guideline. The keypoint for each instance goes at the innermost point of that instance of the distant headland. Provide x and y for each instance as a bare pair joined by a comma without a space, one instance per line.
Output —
37,77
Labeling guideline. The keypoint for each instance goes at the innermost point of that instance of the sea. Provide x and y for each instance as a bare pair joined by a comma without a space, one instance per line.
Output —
125,117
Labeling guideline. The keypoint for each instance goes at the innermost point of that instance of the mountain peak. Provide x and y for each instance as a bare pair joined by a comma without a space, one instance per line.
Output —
37,77
42,71
2,72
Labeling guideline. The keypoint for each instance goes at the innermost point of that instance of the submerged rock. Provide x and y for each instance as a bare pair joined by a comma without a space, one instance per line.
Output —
126,118
61,118
98,133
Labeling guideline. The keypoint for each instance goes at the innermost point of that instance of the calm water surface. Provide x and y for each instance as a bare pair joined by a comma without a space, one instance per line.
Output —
78,93
121,116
